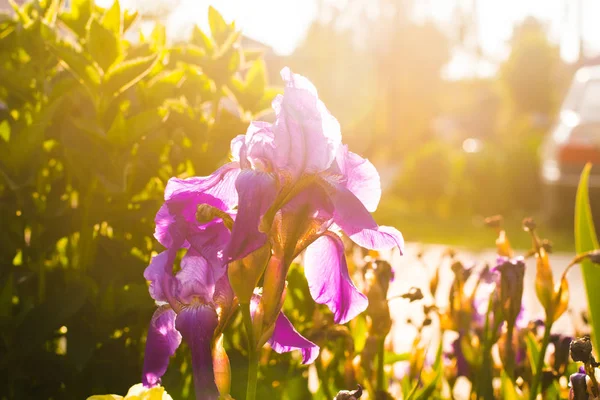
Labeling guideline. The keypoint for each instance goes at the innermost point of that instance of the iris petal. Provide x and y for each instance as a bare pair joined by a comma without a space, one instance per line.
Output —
163,339
257,192
328,279
197,325
286,338
354,219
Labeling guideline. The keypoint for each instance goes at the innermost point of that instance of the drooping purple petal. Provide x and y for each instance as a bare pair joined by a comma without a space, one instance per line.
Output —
163,286
163,339
197,325
354,219
307,136
257,191
197,278
286,338
361,177
328,279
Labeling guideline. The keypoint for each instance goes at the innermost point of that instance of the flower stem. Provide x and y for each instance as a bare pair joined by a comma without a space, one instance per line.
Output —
381,365
509,356
252,353
540,362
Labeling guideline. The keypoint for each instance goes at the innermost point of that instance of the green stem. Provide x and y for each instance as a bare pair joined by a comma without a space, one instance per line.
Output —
381,365
252,353
509,357
540,362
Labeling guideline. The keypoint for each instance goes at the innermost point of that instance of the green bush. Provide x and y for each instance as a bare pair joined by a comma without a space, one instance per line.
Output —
92,126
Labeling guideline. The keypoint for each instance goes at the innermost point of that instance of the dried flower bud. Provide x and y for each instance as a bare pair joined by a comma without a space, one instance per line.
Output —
349,394
413,294
547,245
494,221
529,224
594,256
581,349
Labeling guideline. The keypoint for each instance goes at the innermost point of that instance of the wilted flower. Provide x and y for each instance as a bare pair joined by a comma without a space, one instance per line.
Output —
511,274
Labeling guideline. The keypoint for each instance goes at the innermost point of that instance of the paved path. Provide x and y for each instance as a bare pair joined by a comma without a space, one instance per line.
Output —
409,271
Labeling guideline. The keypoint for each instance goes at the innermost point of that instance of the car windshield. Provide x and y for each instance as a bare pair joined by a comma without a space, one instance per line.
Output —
589,103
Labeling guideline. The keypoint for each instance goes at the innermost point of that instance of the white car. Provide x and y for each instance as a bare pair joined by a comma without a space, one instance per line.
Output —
573,142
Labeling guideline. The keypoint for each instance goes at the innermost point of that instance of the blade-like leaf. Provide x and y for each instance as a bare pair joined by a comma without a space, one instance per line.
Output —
509,391
586,240
533,351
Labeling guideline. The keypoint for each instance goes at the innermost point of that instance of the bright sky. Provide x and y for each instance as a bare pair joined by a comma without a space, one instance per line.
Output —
282,24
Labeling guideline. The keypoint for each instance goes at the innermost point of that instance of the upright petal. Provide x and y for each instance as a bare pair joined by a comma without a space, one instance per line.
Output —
286,338
354,219
257,191
163,339
361,178
307,136
197,278
197,325
210,241
328,279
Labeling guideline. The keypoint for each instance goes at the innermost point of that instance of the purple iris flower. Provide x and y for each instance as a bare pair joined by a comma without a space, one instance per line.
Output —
195,304
298,186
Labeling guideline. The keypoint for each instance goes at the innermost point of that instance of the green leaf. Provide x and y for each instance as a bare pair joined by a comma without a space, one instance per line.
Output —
509,391
430,387
533,351
81,67
5,131
77,19
111,19
126,131
125,74
40,323
218,27
586,240
256,79
128,19
52,12
103,45
392,358
200,39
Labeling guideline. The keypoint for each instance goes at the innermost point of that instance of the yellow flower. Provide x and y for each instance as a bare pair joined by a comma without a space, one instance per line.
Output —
137,392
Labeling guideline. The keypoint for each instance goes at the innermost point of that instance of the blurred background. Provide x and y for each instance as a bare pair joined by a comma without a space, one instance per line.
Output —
455,101
468,108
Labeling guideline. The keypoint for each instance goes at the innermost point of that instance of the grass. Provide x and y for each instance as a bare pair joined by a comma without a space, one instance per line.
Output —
466,231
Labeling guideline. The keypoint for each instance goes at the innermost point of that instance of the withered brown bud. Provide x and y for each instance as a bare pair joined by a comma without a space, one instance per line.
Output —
529,224
581,349
494,221
413,294
427,321
594,256
450,252
547,245
349,394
